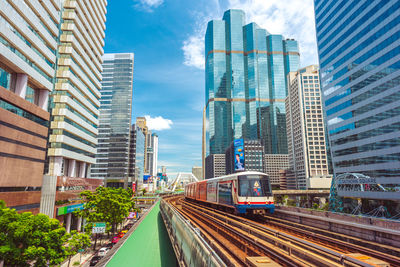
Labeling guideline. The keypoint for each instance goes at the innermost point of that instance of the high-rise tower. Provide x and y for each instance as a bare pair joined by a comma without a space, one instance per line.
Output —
246,70
359,53
115,118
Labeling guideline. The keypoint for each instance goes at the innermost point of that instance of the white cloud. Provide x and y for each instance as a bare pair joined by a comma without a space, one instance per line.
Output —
158,123
148,5
291,18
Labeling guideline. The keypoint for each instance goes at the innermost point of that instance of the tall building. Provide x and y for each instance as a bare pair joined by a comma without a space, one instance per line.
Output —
198,172
244,155
152,153
115,118
246,70
74,106
359,55
136,156
142,124
28,42
306,129
273,166
215,165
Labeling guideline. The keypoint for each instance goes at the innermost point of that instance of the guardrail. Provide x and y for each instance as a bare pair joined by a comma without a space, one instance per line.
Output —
190,248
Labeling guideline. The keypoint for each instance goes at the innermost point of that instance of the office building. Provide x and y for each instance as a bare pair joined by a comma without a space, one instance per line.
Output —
244,155
273,165
136,157
359,55
74,106
246,70
215,165
198,172
115,118
142,124
28,42
306,129
152,153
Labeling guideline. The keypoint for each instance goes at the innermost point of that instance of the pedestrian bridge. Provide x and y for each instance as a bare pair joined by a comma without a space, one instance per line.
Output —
147,244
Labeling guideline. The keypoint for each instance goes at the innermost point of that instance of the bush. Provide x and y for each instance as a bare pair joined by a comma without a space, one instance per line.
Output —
76,263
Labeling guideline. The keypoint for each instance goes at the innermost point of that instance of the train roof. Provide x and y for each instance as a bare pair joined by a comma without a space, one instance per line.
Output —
230,176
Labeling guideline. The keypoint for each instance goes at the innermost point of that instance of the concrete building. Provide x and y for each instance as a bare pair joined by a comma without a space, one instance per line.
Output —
152,153
246,70
28,42
136,157
215,165
244,155
141,123
273,165
198,172
115,118
74,105
306,129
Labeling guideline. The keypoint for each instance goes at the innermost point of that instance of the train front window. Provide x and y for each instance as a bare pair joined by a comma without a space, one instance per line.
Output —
254,186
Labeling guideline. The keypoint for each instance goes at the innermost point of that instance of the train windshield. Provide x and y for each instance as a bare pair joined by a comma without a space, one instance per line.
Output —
254,186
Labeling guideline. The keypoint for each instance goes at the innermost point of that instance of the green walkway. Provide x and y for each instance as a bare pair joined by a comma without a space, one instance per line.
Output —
149,245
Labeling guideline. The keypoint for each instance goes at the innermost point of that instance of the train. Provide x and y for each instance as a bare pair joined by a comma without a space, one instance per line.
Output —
246,192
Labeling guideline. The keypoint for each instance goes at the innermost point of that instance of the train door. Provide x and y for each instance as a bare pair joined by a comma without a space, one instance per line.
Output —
212,191
225,192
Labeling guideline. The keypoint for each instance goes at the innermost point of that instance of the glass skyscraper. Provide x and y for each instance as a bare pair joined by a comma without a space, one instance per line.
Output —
112,156
359,52
246,70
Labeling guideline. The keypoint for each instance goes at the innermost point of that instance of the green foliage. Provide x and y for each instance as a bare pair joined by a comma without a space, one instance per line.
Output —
77,241
30,239
76,263
315,206
291,203
106,204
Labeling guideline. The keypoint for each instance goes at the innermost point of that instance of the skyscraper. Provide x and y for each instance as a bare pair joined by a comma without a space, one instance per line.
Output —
152,153
28,43
115,118
74,102
359,53
246,70
136,156
306,130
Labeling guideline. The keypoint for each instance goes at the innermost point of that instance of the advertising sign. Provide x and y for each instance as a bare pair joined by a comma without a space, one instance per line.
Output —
239,154
69,209
134,187
146,177
99,228
133,215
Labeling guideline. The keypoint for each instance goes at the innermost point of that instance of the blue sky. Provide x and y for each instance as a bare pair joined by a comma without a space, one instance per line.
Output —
167,38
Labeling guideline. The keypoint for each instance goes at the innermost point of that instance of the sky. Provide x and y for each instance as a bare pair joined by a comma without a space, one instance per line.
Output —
167,38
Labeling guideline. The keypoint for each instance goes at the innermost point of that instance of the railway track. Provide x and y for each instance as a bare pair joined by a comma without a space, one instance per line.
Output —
237,238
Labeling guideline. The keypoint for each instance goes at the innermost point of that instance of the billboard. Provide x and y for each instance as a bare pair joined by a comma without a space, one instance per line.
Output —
147,177
239,154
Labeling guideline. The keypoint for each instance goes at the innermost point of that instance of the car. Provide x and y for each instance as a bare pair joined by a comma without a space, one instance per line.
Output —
103,251
121,234
124,231
109,245
95,260
115,240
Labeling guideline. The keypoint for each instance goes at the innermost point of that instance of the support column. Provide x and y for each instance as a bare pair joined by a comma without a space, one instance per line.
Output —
68,224
71,168
57,166
82,170
43,99
79,223
21,82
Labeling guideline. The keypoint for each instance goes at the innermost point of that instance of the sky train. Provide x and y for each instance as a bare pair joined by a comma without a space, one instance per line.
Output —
242,192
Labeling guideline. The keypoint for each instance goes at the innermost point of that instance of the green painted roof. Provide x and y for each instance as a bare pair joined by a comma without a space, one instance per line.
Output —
149,245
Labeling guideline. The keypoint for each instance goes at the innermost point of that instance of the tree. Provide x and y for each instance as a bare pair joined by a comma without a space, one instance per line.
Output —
76,242
27,239
106,204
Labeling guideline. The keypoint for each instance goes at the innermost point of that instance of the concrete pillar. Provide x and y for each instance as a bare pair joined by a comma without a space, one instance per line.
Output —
79,223
322,201
43,99
21,82
68,224
57,166
71,168
82,169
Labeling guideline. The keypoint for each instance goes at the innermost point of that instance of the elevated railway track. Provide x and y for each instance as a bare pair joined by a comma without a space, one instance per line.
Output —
236,238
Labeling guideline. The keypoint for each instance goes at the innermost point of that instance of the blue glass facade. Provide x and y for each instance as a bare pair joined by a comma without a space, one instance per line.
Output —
359,52
246,70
